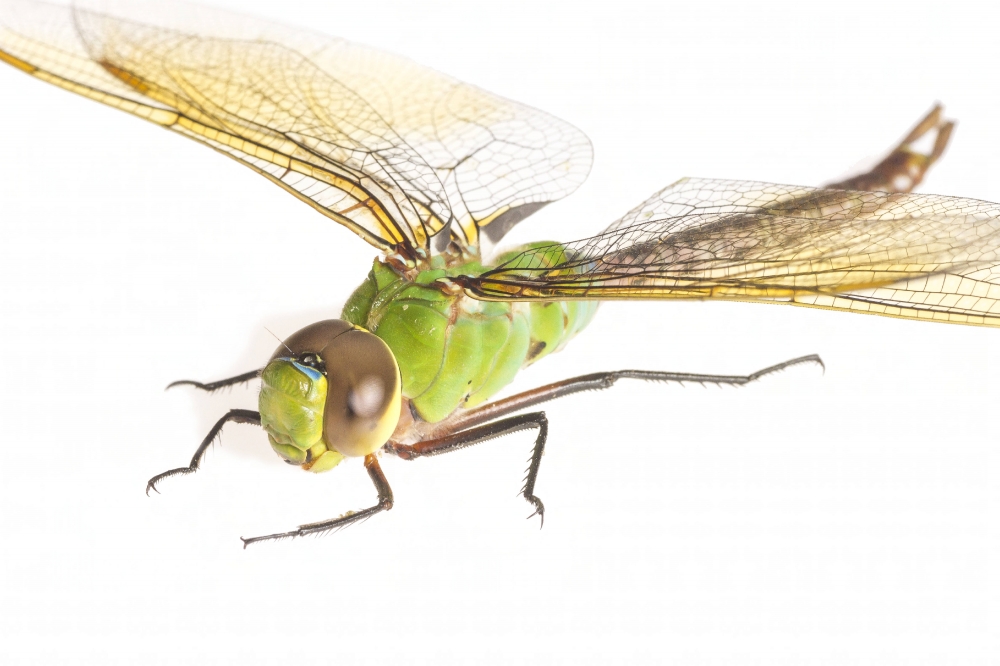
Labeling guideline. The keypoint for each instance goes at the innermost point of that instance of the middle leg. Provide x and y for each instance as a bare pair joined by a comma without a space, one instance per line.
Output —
466,438
384,504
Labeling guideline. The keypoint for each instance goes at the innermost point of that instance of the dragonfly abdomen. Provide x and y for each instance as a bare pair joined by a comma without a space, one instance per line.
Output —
454,351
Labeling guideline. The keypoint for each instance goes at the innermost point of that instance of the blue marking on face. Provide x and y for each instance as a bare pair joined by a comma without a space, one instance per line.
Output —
311,373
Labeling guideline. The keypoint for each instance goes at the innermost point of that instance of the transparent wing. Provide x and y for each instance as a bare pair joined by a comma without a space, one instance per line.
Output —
906,255
395,151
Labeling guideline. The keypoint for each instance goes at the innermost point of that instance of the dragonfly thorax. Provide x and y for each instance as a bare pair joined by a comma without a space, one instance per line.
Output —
453,351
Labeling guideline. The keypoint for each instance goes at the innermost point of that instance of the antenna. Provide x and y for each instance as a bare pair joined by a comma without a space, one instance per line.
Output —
280,340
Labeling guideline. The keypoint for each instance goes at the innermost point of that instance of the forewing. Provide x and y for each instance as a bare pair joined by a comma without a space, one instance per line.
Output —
395,151
907,255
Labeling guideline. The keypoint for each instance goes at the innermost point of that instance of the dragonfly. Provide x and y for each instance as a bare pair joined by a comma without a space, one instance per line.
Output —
433,173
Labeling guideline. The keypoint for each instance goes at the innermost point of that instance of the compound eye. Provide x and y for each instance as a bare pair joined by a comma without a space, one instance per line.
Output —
365,392
311,360
366,399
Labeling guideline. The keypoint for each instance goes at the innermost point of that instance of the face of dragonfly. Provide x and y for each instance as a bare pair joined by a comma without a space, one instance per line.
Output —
331,390
843,496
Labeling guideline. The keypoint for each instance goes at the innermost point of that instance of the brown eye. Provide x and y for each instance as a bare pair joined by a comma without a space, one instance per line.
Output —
366,399
363,385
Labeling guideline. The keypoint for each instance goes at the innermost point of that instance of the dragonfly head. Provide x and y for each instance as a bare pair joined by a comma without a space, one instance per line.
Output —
332,390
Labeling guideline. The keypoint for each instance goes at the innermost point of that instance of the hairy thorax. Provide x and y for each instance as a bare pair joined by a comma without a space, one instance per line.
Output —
455,352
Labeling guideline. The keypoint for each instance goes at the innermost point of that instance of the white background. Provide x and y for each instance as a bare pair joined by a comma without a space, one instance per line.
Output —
845,517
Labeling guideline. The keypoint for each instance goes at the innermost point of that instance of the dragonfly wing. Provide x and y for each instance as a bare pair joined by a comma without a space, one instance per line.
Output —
397,152
907,255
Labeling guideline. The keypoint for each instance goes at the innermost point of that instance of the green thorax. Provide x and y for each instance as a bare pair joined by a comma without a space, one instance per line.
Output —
454,351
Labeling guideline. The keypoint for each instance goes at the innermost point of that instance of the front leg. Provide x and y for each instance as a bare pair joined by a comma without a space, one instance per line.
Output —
210,387
234,415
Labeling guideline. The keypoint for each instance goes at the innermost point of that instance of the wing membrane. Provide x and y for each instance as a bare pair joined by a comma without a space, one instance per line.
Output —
397,152
907,255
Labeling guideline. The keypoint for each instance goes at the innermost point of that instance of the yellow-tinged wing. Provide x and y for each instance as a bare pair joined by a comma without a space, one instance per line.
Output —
399,153
917,256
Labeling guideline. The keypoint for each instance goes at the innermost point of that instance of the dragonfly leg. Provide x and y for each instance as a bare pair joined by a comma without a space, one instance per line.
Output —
465,438
597,381
235,416
349,518
905,167
487,422
216,385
